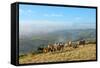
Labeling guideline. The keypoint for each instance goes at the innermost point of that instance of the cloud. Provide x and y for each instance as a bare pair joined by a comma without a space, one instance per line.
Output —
43,26
53,15
29,11
78,18
26,12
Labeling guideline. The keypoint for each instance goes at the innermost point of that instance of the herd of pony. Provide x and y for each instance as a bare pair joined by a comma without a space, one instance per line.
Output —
60,46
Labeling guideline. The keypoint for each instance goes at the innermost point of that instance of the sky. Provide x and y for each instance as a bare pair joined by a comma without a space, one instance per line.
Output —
42,19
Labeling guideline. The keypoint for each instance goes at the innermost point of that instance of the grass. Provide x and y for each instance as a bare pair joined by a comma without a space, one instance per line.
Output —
88,52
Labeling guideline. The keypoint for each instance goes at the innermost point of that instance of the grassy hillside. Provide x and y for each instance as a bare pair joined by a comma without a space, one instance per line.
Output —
87,52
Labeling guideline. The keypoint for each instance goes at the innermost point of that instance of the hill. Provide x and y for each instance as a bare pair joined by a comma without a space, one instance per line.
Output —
88,52
31,42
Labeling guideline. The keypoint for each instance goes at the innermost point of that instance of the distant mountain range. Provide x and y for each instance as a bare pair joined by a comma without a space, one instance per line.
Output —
32,42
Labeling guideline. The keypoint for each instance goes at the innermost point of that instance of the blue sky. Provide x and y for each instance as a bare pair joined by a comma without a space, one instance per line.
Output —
47,18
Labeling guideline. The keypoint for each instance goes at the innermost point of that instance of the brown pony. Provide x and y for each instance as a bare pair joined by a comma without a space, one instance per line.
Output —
45,50
70,43
82,42
51,48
